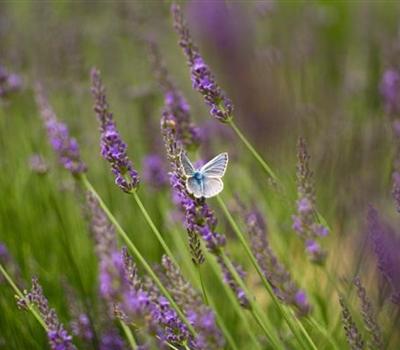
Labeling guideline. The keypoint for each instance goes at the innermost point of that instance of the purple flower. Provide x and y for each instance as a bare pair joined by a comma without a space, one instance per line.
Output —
390,91
9,263
305,222
9,83
38,164
374,340
58,336
154,172
354,338
202,78
386,246
66,147
187,131
113,149
275,272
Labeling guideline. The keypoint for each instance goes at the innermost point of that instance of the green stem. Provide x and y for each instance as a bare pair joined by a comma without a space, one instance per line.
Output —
254,308
21,295
138,255
264,165
154,228
129,335
262,277
203,289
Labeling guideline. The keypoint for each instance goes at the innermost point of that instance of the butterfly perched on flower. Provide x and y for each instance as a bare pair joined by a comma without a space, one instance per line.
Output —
206,181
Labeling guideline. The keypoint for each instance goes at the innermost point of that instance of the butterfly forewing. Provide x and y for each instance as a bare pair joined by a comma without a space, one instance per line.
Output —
212,186
187,166
216,167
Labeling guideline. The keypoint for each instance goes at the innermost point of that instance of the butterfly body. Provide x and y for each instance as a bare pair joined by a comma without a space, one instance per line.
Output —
206,181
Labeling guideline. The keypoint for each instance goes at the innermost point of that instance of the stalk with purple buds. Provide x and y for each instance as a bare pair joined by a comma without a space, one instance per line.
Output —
202,78
354,338
113,148
59,339
275,272
305,222
66,147
187,131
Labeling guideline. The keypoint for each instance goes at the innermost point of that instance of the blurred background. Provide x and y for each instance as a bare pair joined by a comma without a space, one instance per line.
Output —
310,68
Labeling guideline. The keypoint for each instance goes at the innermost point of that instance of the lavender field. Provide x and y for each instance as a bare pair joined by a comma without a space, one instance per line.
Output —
199,175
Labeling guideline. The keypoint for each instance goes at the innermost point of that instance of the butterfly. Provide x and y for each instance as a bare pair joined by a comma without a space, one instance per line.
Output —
206,181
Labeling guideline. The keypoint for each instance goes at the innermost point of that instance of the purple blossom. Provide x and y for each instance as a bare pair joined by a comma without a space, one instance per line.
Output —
187,131
38,165
9,263
386,246
202,78
9,83
275,272
190,300
154,172
200,220
305,222
58,336
113,149
374,340
390,91
66,147
354,338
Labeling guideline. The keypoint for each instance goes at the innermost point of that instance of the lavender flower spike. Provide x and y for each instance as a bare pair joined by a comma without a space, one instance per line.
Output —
305,222
354,338
66,147
202,78
275,272
371,325
187,131
113,149
58,336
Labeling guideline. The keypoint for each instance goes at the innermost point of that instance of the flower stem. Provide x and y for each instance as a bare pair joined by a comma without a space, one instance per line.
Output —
154,228
264,165
203,289
21,295
253,260
129,335
138,255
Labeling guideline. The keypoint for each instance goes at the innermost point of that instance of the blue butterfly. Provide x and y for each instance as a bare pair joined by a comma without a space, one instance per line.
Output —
206,181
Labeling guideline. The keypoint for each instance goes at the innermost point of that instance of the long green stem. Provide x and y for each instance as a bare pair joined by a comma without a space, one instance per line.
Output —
138,255
129,335
21,295
203,289
262,162
253,260
154,228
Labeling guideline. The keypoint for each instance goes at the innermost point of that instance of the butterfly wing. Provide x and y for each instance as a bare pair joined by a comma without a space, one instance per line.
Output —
212,186
216,167
187,166
195,187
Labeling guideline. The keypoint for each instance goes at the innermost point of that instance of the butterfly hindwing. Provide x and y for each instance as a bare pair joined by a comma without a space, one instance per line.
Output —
195,187
216,167
212,186
187,166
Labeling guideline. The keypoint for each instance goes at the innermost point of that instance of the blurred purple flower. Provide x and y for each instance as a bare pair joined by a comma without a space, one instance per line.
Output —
113,149
154,172
66,147
9,83
202,78
386,246
390,91
275,272
58,336
187,131
354,338
374,340
11,266
38,165
304,223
